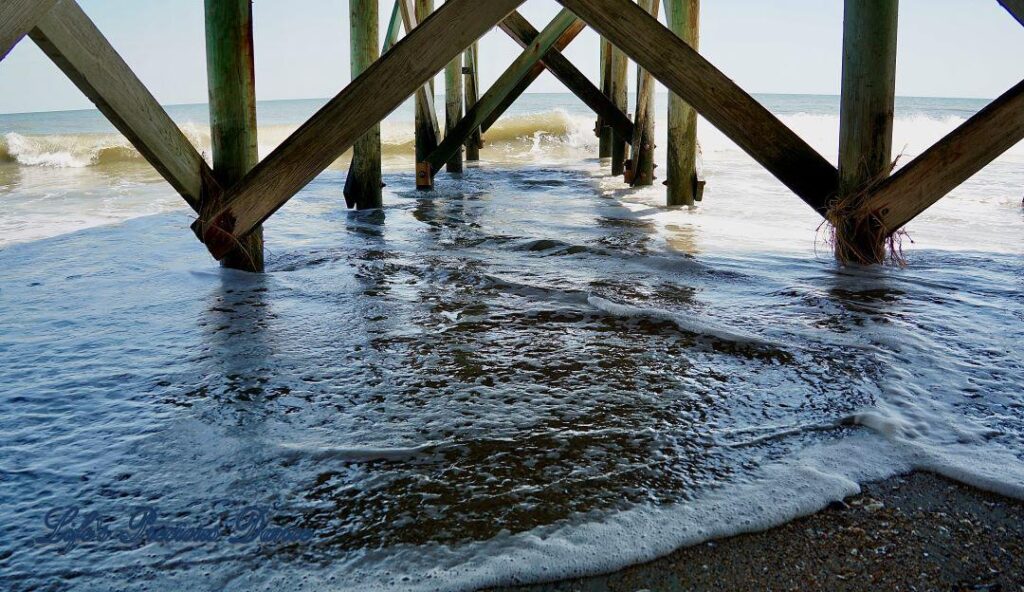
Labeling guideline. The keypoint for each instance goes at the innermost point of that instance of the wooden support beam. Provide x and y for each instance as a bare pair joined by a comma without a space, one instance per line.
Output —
954,159
472,94
865,121
346,117
453,107
513,96
76,46
725,105
524,34
230,67
562,30
428,133
394,27
17,18
1016,8
640,172
603,131
619,89
684,186
363,183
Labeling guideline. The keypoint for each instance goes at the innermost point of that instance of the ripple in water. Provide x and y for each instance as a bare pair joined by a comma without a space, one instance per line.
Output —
515,379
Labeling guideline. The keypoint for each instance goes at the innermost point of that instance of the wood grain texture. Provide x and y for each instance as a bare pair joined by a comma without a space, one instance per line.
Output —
453,107
363,183
427,130
618,87
17,18
76,46
868,91
865,121
681,173
346,117
1016,8
231,78
559,32
724,104
951,161
641,173
603,131
471,92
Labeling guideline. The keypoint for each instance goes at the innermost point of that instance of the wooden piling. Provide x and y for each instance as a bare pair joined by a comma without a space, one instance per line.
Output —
453,107
684,187
363,185
720,100
603,131
472,95
640,169
619,90
425,138
560,32
232,88
866,122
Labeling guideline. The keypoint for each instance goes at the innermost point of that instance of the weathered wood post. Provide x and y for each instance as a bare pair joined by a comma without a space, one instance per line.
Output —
232,89
453,106
684,187
424,130
604,132
394,28
866,122
619,89
472,95
640,167
363,185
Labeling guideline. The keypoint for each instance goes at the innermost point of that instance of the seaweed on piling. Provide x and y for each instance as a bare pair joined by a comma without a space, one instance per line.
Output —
861,229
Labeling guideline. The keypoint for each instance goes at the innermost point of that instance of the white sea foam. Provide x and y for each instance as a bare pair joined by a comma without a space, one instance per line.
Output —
874,388
690,324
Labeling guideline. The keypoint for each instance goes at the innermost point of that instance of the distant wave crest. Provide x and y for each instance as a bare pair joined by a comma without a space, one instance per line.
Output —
67,151
533,134
105,149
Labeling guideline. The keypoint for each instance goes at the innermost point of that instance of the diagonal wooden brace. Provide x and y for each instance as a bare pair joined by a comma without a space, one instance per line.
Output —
1016,8
72,41
524,34
394,28
951,161
561,31
724,104
425,93
349,115
17,18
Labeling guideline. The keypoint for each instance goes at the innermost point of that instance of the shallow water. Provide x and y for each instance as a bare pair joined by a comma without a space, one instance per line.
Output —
530,373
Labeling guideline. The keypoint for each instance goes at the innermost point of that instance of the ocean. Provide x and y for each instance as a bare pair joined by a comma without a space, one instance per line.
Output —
531,373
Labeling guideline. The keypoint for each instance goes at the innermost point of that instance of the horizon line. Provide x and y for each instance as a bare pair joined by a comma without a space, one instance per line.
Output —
566,92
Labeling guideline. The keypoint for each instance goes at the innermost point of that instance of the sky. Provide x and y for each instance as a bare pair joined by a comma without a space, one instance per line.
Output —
948,48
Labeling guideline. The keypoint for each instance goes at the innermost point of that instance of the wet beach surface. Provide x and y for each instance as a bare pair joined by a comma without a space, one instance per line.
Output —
529,374
914,532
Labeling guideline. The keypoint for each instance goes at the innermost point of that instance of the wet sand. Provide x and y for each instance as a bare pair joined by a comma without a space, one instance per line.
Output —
916,532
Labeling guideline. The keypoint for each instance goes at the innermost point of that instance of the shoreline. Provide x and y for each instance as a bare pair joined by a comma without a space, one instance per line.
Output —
912,532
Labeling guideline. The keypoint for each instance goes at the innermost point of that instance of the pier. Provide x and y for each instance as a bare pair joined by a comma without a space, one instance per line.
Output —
863,200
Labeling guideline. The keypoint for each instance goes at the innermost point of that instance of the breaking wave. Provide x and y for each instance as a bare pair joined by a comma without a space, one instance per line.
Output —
536,134
103,149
